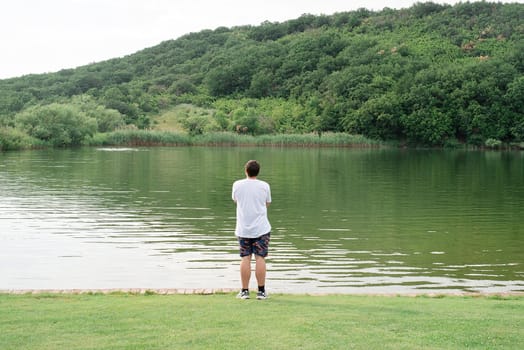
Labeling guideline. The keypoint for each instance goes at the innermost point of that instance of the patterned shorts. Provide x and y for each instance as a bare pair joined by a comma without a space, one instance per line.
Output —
258,246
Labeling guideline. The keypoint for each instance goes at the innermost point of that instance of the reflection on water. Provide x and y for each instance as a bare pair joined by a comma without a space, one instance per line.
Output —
358,221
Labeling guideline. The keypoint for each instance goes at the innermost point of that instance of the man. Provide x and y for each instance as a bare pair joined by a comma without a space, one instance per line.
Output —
252,197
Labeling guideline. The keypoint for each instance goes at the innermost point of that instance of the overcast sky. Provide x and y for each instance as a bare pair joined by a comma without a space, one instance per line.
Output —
38,36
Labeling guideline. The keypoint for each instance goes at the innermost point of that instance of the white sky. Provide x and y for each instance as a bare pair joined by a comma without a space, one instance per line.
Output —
38,36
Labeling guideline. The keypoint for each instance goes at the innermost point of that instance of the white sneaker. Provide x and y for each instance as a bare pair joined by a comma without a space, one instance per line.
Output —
262,296
243,294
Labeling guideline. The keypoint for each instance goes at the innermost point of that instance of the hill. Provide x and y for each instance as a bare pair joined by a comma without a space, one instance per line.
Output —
430,74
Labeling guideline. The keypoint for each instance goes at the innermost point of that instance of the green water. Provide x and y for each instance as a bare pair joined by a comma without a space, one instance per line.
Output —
344,220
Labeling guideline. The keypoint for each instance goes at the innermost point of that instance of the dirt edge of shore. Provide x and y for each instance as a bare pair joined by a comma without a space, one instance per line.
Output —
172,291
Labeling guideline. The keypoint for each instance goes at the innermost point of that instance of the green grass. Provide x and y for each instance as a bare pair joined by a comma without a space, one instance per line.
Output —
13,139
170,119
133,321
168,138
134,137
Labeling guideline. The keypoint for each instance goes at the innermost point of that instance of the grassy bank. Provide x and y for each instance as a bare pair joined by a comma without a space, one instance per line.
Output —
167,138
14,140
129,321
11,139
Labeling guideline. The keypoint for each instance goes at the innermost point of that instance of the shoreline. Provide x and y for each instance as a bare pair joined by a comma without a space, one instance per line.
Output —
199,291
142,138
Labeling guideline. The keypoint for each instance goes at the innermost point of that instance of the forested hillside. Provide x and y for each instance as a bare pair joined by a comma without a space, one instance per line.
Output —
430,74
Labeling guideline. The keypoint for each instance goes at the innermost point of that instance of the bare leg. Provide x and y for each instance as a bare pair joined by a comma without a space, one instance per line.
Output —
260,270
245,271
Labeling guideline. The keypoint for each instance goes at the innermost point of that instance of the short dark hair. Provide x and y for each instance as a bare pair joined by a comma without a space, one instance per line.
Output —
252,168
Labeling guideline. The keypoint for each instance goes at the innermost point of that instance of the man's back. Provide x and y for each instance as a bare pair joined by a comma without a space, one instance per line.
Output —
252,197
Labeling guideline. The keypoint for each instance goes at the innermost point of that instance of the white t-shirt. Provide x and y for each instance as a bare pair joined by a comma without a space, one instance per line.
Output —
251,196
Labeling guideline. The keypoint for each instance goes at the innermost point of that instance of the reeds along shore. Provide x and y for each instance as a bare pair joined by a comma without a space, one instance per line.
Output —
152,138
10,140
164,138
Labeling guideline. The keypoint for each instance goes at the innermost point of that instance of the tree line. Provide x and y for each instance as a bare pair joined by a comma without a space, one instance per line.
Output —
430,74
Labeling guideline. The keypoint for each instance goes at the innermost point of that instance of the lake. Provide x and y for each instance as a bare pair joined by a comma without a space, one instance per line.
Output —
344,220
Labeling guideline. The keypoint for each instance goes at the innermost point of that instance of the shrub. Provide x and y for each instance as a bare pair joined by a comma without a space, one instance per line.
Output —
493,143
57,124
107,119
13,139
195,124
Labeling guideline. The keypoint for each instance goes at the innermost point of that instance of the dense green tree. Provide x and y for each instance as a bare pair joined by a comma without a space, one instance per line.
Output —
268,31
57,124
378,117
514,100
107,119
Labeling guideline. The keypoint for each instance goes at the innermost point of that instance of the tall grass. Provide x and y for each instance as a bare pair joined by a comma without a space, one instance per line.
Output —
14,139
326,139
139,138
166,138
